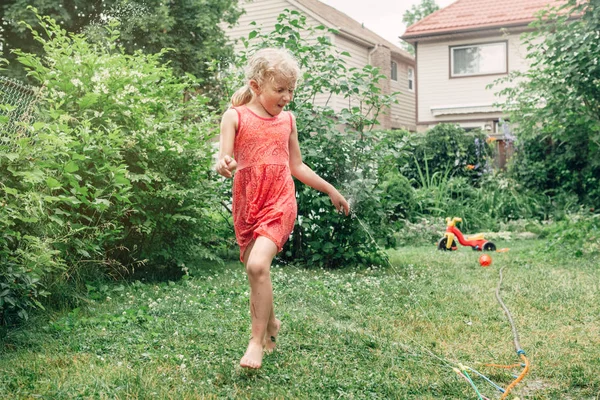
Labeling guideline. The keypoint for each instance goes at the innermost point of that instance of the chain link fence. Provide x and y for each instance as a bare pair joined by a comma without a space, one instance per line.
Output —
17,109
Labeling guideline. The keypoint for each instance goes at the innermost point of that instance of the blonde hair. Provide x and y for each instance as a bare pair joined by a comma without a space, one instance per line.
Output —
268,63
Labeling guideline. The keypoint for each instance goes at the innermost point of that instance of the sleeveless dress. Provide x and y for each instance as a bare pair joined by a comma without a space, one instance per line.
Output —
264,197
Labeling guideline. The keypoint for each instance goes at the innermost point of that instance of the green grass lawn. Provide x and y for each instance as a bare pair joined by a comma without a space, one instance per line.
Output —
385,333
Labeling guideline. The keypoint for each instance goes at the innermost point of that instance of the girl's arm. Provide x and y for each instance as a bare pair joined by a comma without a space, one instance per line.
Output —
226,164
304,174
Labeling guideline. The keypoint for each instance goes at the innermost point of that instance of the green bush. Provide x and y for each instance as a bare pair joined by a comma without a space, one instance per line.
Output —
567,171
576,235
114,175
450,171
449,150
554,105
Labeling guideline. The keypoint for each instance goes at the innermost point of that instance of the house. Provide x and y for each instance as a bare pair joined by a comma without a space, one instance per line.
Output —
364,46
463,48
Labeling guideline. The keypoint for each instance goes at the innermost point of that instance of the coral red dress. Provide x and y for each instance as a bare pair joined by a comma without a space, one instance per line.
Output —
264,198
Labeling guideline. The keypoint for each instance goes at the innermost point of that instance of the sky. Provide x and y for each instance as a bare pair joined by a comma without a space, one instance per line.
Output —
383,17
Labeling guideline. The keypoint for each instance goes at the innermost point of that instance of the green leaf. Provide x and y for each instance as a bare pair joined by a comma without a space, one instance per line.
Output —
102,201
83,252
121,180
52,183
88,100
38,125
71,167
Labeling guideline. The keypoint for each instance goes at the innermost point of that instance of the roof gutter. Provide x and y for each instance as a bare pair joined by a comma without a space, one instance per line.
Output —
343,32
524,25
372,45
415,37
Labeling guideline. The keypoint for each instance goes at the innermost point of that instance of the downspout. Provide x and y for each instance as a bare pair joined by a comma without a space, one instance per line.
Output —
416,83
371,53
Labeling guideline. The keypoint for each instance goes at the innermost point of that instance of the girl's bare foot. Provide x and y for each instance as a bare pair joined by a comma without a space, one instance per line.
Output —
272,331
253,356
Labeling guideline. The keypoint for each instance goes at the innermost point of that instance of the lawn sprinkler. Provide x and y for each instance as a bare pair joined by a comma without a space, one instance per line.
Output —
477,242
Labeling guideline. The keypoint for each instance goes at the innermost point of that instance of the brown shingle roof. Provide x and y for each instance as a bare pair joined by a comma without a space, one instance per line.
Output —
466,15
342,22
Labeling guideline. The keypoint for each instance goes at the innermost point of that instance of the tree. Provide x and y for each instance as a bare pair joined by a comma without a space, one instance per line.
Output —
555,105
192,28
417,13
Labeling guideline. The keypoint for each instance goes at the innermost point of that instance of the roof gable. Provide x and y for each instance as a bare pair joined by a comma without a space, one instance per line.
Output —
468,15
340,21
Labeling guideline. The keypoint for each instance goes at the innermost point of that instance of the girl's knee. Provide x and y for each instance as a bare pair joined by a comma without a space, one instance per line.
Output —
257,269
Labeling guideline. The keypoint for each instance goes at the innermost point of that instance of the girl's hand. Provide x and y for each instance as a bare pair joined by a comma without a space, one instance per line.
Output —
339,202
226,166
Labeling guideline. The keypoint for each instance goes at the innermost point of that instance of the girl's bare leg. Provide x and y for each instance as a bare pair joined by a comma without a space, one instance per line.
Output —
272,330
258,268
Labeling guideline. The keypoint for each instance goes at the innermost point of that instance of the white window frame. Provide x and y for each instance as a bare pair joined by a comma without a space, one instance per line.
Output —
501,69
394,70
410,75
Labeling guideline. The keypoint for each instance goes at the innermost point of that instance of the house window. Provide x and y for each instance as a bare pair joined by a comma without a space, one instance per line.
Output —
411,79
394,71
480,59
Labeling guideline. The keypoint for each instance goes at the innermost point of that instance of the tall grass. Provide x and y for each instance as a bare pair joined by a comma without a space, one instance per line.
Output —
432,194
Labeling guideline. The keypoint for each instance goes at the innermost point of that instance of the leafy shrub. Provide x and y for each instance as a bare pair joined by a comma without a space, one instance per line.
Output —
578,234
567,171
554,105
495,200
24,263
114,175
422,232
397,196
449,150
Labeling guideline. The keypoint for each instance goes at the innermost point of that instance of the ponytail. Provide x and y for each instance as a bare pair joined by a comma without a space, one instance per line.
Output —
242,96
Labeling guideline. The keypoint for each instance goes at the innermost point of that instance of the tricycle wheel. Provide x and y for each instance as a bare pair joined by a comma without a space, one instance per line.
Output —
443,243
489,246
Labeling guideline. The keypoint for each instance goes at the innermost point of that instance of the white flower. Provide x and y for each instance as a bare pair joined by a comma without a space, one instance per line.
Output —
101,88
130,89
76,82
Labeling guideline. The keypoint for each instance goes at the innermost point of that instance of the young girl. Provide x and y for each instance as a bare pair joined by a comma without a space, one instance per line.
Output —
259,140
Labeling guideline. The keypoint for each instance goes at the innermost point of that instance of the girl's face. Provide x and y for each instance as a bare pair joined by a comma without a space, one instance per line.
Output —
274,94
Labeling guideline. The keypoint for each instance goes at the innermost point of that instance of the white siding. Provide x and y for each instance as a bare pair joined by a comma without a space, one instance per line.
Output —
264,13
436,89
403,113
359,57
